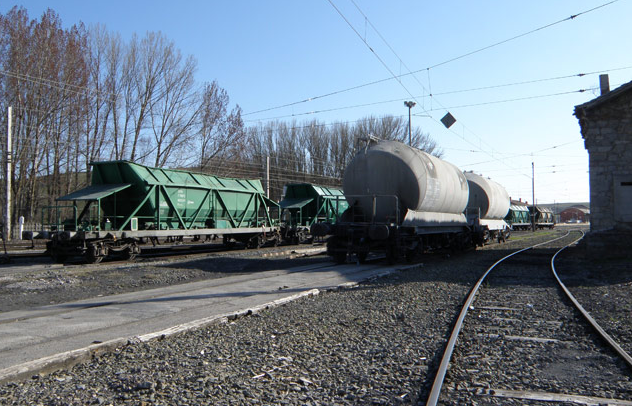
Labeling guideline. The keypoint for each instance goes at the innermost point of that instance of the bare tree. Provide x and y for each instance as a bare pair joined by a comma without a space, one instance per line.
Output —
175,109
145,66
396,128
221,134
80,96
315,139
341,140
98,99
44,76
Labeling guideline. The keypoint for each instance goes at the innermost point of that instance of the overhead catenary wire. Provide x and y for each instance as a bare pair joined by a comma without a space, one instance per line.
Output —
481,140
371,49
481,49
516,155
571,17
429,110
402,85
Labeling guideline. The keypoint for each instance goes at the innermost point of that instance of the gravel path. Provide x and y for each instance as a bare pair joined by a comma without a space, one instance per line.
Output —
376,344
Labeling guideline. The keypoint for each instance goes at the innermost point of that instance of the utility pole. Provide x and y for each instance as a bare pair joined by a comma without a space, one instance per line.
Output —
533,196
410,105
7,209
268,176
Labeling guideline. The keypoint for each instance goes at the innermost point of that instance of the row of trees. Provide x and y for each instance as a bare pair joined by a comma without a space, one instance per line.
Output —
318,153
81,95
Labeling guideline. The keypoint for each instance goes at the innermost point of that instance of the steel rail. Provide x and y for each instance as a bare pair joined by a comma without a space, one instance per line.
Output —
611,342
433,398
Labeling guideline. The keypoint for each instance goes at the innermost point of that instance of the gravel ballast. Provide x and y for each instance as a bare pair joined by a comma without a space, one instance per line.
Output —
378,343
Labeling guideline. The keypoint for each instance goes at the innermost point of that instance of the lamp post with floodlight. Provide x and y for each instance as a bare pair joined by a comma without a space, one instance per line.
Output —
410,105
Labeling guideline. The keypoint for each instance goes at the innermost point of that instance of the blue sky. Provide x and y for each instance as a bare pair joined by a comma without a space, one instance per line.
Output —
271,53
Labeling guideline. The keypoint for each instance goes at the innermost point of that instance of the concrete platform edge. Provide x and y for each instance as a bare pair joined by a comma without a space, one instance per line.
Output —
68,359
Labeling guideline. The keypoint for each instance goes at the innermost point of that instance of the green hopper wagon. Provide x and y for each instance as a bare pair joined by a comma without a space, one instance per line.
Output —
518,217
543,217
305,205
128,202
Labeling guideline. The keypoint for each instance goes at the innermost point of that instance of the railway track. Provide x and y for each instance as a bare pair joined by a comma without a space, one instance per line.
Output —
524,341
37,259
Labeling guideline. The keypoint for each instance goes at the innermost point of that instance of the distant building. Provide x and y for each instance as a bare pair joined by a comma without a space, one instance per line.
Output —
575,214
606,126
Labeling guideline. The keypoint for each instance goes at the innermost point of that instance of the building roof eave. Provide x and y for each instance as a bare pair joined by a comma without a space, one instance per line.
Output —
580,110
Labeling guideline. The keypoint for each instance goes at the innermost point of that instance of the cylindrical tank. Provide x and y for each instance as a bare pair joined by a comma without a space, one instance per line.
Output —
489,196
419,180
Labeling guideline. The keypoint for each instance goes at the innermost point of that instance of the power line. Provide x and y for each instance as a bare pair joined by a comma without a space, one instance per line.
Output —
371,49
426,111
572,17
515,99
401,84
388,45
405,88
511,156
59,85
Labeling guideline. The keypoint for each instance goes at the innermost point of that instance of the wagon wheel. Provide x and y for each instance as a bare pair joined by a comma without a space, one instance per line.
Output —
58,256
391,255
255,242
501,237
128,256
340,257
91,258
228,243
131,252
92,255
302,237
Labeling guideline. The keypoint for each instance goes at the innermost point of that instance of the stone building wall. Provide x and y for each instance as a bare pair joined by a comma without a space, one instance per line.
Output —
607,131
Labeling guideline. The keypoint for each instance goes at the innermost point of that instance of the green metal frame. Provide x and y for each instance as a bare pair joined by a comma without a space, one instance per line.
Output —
200,197
322,203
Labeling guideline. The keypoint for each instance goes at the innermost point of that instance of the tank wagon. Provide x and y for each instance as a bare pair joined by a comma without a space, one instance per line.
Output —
518,217
543,217
402,202
304,206
487,206
127,202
